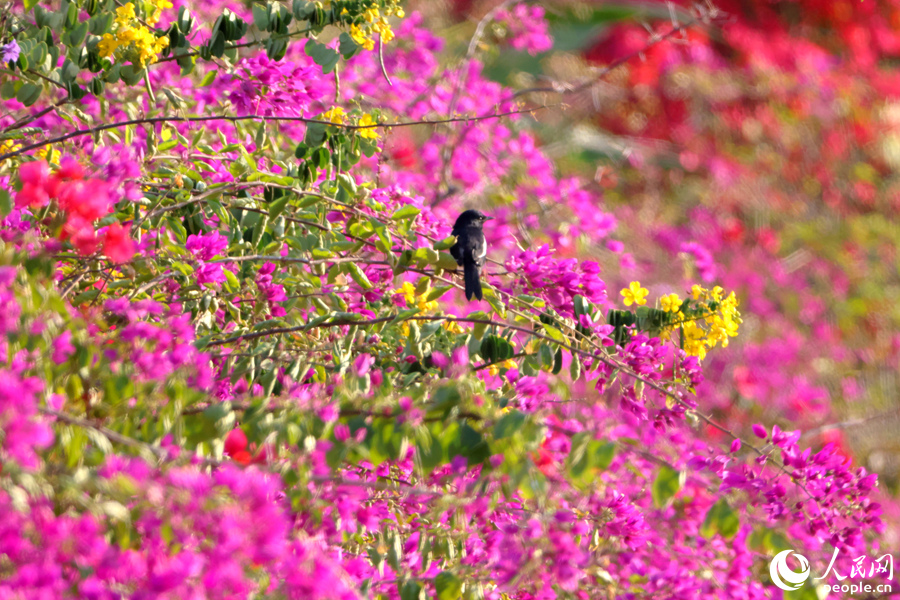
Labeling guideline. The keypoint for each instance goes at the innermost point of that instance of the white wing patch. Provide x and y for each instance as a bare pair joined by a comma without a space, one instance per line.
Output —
483,251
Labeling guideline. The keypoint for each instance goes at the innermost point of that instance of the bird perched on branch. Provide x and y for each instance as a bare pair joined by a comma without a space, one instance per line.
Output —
470,249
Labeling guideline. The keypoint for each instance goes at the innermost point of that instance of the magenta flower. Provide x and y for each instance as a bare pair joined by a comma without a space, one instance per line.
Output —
62,347
362,364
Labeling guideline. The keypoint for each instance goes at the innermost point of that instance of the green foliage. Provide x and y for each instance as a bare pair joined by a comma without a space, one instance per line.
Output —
722,520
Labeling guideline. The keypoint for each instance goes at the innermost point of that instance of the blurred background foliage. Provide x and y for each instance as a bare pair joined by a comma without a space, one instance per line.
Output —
770,137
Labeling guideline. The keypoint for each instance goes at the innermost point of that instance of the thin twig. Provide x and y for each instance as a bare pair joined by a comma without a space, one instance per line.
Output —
235,119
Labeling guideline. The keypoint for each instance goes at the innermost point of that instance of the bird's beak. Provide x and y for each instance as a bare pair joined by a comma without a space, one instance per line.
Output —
488,218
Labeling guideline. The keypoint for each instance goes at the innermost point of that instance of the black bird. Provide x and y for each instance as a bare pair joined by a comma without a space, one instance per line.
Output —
470,249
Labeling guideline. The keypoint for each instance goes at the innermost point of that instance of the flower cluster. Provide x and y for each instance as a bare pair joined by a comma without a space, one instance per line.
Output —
82,200
526,28
132,40
721,320
415,298
557,281
375,22
261,360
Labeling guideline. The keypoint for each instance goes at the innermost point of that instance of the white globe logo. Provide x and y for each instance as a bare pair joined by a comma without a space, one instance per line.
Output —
783,576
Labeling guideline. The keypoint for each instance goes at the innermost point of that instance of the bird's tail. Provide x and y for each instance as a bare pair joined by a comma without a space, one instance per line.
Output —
472,276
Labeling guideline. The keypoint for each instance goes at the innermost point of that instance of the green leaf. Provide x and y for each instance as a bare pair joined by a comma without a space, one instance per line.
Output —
406,212
667,483
276,47
276,207
437,292
217,45
720,519
261,17
478,329
359,276
603,453
231,282
6,204
348,47
316,134
29,4
75,36
403,315
8,90
412,590
509,424
448,263
85,296
322,55
210,75
448,586
575,368
586,457
446,243
29,93
131,74
557,362
554,333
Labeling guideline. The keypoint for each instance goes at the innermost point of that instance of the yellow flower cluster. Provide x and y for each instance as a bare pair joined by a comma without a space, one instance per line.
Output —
132,40
335,115
409,293
670,303
508,364
158,7
717,321
48,154
371,133
8,146
375,23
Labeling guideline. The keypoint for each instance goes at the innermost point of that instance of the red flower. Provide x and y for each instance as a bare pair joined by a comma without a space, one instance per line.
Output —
81,233
32,195
117,245
236,446
36,173
88,198
34,176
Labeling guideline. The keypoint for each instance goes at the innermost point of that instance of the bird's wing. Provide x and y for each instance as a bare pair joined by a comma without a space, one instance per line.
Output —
479,250
456,251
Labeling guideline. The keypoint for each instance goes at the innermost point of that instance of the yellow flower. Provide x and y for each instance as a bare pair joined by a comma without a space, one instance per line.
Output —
452,327
697,291
494,369
635,294
8,146
107,45
409,294
126,35
49,154
670,303
125,14
371,133
360,37
384,29
371,14
694,343
335,115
